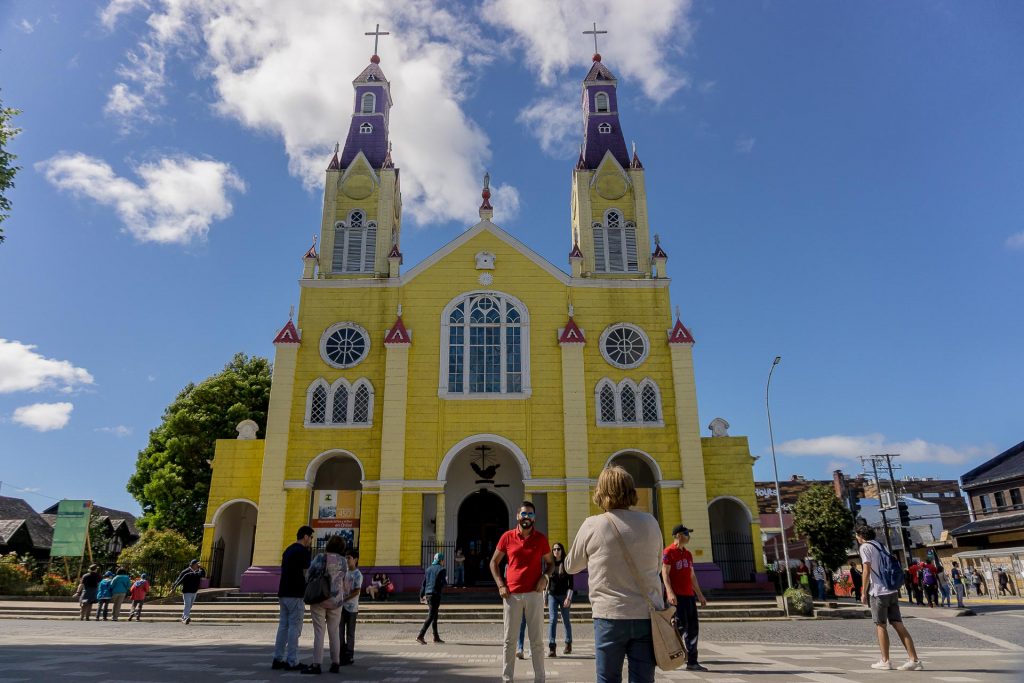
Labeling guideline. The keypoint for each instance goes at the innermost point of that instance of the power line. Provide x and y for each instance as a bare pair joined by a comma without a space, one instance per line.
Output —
22,489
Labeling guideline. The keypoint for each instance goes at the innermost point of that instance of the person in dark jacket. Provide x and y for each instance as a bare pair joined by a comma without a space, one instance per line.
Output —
86,592
857,578
189,579
560,591
434,581
290,591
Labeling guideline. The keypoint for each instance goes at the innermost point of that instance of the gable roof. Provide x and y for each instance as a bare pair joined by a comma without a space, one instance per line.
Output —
117,517
15,513
1007,465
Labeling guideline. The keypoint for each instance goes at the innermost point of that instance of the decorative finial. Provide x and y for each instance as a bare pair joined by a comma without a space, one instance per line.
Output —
399,310
634,147
595,33
571,310
678,317
337,146
291,311
376,33
486,210
487,180
657,239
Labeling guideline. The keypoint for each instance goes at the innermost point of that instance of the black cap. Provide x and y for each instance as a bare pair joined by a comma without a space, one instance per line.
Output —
681,529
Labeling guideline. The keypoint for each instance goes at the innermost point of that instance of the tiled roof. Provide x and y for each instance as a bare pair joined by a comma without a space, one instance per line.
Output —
1006,465
18,511
9,527
989,525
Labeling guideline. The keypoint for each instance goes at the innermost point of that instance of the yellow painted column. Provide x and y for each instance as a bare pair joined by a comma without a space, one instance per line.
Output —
574,428
392,447
439,518
693,501
270,538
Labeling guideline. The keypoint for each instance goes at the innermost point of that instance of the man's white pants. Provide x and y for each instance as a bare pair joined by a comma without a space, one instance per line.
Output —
517,604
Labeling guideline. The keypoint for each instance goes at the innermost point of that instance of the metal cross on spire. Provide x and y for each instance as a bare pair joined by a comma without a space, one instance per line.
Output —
377,33
595,33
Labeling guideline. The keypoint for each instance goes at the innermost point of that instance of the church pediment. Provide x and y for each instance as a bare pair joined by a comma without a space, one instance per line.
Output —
359,180
610,181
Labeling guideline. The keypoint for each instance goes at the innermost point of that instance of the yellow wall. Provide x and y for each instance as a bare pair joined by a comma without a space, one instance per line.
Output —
237,464
729,471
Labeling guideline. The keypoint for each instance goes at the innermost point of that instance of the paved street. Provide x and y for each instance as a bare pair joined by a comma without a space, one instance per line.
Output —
989,647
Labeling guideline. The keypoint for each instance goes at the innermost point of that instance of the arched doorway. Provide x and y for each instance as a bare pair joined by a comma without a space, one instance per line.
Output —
336,500
483,518
646,479
234,537
732,546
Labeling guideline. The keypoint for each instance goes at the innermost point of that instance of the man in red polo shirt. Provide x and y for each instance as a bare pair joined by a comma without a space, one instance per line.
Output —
683,591
521,589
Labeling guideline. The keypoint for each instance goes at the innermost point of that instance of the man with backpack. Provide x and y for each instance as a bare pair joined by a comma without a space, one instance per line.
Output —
883,578
929,575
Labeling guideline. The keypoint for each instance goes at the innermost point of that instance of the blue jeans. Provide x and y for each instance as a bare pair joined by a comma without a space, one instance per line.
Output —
289,628
460,574
554,609
522,633
821,588
619,639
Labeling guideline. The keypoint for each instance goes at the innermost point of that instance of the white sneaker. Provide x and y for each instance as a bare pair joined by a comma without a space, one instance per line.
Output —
912,665
883,664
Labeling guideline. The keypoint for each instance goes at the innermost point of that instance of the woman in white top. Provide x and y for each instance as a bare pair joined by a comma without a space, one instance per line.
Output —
326,615
622,624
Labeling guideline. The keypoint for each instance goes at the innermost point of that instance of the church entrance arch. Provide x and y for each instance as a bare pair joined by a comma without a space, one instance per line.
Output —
732,547
642,467
336,500
483,488
234,536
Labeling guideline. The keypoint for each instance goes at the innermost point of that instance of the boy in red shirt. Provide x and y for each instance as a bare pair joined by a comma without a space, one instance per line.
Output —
683,591
138,593
522,588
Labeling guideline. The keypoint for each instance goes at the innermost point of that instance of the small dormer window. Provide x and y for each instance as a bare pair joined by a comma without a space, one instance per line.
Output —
368,102
366,128
604,128
601,103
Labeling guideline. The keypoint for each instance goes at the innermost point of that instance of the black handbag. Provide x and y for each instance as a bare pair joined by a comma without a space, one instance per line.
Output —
318,588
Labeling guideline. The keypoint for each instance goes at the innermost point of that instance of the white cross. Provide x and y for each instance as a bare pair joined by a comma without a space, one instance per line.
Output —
595,33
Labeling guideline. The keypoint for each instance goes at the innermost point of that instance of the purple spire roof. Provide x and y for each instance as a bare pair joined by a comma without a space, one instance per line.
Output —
602,132
368,130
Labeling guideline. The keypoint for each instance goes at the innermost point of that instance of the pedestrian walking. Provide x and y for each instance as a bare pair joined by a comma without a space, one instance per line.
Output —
857,579
86,592
803,576
120,585
460,568
944,590
350,608
957,577
683,591
1004,582
621,588
976,581
189,580
104,593
819,580
326,615
435,578
290,590
915,575
560,592
882,579
139,590
521,589
928,575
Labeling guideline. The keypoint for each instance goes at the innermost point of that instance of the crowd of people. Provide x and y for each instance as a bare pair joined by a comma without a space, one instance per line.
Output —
109,593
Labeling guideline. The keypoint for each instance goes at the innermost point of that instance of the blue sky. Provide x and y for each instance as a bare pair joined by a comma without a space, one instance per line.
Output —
836,183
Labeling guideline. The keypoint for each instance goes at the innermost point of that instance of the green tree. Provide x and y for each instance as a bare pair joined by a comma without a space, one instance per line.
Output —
161,554
7,168
100,537
172,474
824,521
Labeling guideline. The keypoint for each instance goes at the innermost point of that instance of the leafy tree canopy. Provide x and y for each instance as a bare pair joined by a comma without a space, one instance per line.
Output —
7,168
172,474
822,518
162,554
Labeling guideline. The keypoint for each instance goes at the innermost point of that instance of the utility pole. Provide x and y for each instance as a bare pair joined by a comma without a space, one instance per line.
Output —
904,532
881,502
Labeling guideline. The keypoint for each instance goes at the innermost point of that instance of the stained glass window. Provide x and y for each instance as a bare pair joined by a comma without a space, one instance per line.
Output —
485,346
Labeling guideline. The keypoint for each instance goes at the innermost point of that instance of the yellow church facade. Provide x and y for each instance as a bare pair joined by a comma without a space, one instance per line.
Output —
413,410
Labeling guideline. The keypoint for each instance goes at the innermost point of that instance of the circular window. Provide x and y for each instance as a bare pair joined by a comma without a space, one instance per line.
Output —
344,345
624,345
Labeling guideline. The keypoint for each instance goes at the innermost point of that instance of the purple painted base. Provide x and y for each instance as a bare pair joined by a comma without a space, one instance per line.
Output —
266,579
709,576
260,580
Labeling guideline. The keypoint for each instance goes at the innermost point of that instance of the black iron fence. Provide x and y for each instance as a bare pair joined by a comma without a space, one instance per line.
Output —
734,555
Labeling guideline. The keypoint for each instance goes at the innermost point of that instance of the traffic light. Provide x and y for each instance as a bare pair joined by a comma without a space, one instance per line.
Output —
904,514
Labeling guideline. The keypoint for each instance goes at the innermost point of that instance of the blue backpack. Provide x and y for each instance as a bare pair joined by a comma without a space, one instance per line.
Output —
889,571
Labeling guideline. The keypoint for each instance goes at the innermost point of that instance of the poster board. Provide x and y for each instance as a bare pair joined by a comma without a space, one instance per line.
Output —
71,530
336,513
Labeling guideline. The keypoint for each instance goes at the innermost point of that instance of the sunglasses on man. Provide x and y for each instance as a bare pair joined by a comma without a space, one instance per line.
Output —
527,515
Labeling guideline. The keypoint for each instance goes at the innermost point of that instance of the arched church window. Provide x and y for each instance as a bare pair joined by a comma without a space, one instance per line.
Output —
368,102
604,128
601,106
615,249
361,405
627,399
366,128
339,405
649,403
487,340
355,244
317,404
606,404
627,405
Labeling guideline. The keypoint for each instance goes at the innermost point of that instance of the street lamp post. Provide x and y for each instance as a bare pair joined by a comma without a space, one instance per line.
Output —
778,494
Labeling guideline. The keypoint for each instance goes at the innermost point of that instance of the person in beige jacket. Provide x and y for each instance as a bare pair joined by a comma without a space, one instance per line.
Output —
622,624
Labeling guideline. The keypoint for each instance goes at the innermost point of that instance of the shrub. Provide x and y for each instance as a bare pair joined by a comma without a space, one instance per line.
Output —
800,601
55,584
14,577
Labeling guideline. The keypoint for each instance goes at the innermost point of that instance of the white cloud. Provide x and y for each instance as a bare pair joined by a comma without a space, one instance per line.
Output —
176,202
642,36
1015,241
118,431
23,369
115,8
43,417
843,447
744,145
277,70
26,26
555,121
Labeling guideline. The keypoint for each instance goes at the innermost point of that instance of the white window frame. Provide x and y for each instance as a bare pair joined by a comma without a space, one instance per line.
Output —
365,128
638,406
622,366
598,99
604,128
367,253
627,239
332,389
334,328
362,103
524,344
